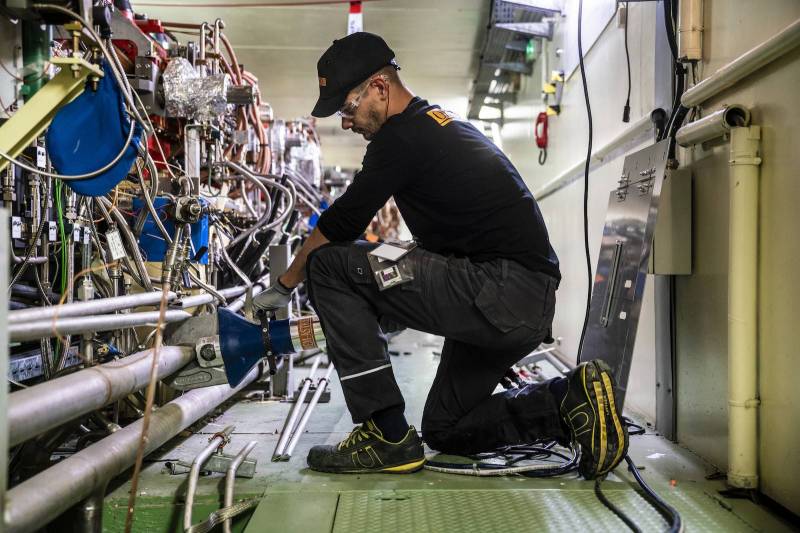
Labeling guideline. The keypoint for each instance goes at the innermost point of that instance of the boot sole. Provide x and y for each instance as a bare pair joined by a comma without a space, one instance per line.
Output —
599,392
405,468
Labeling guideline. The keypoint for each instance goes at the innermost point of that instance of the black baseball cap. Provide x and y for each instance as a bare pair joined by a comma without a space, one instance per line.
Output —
348,62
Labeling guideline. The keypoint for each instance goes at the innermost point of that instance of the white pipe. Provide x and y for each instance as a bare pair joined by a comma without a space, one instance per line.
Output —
291,418
214,444
634,134
37,409
690,30
38,500
322,384
81,324
743,399
744,65
91,307
717,124
230,479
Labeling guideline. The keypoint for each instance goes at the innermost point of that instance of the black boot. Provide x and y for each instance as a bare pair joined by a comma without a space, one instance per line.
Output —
590,410
365,450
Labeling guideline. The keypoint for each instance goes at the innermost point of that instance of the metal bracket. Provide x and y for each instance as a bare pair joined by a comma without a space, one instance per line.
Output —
217,463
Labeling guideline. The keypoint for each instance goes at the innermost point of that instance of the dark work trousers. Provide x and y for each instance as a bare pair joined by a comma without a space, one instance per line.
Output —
491,314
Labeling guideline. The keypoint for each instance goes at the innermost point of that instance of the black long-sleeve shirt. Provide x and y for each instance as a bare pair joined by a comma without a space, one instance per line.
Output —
458,193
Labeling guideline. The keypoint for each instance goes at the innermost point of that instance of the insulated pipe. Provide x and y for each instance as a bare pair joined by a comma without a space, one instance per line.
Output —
322,384
291,419
715,125
744,65
81,324
216,442
230,479
36,409
690,30
91,307
38,500
743,399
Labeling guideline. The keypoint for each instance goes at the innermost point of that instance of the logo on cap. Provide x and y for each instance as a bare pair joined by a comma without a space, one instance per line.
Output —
323,81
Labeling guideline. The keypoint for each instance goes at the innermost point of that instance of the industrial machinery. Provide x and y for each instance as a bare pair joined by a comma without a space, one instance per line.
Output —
148,185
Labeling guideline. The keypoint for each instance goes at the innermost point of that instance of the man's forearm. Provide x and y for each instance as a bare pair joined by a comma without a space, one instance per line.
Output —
297,270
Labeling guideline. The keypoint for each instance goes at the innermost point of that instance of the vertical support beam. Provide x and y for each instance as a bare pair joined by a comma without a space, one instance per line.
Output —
282,383
666,405
4,252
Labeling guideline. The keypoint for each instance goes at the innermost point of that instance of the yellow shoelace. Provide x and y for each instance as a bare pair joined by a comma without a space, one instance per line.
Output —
357,435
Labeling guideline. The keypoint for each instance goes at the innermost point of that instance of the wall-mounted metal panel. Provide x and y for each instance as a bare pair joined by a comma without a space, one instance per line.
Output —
622,266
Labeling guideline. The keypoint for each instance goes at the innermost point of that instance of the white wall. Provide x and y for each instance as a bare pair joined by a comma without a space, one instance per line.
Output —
607,81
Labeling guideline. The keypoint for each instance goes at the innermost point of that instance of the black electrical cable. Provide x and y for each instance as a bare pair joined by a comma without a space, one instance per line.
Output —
614,509
626,111
667,511
585,182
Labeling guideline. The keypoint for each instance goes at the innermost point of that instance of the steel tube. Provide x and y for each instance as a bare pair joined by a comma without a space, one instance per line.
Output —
301,426
202,299
36,409
38,500
715,125
194,473
230,479
291,418
91,307
744,65
81,324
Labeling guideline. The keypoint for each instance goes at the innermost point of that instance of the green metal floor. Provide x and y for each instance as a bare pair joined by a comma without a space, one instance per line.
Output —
295,499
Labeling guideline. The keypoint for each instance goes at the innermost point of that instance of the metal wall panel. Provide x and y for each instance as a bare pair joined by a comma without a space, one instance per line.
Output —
621,270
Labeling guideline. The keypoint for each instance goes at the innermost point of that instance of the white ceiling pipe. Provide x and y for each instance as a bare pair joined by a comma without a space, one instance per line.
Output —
690,30
744,65
34,410
713,126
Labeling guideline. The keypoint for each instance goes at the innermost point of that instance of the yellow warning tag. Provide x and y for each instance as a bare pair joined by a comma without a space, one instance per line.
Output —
442,117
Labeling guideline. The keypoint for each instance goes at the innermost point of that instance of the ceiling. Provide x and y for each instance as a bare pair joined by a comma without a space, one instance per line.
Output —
437,44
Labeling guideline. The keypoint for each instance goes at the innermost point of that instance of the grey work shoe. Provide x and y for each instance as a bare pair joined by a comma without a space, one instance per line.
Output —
590,410
365,450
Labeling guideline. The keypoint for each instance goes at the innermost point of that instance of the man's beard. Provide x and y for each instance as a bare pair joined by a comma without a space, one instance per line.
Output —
371,126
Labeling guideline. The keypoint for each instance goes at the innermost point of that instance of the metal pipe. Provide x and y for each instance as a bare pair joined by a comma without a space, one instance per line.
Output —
744,65
230,479
237,304
47,405
202,299
214,444
690,30
322,384
38,500
743,399
291,418
90,514
717,124
125,231
91,307
81,324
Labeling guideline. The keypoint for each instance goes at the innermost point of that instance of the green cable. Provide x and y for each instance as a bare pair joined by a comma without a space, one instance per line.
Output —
63,266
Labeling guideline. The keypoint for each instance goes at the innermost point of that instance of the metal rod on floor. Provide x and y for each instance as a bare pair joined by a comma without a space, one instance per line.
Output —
216,442
321,386
230,479
291,418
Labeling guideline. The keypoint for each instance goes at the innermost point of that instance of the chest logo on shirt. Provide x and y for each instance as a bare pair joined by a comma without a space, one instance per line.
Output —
442,117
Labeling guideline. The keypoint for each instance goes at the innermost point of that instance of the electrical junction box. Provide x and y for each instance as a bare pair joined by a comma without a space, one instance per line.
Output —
672,239
152,242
